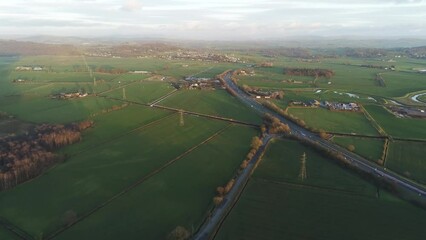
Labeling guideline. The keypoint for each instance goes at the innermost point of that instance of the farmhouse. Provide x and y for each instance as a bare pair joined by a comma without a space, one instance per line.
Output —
29,68
342,106
69,95
192,79
23,68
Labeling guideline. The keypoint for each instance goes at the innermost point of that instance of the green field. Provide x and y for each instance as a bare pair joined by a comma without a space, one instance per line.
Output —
144,92
330,204
408,159
397,127
7,235
136,159
214,102
282,163
341,122
43,109
178,196
90,178
369,148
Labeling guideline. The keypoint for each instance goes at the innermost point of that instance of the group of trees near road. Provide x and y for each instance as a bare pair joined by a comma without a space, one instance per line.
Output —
27,156
272,106
274,125
221,191
256,143
309,72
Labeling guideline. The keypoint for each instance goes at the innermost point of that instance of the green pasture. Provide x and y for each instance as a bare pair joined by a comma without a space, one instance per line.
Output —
397,127
330,204
180,195
144,92
408,159
213,102
369,148
90,178
341,122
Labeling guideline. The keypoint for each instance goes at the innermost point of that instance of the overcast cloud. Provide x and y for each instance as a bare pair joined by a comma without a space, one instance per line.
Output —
214,19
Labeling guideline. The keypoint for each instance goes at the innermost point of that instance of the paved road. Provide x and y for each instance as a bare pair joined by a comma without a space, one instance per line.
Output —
212,224
356,160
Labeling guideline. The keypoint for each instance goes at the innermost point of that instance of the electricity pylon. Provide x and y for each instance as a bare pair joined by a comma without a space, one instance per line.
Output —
302,174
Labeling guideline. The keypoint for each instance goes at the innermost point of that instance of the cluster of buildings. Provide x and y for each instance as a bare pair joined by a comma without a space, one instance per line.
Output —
139,72
200,56
333,106
200,83
69,95
267,94
402,111
29,68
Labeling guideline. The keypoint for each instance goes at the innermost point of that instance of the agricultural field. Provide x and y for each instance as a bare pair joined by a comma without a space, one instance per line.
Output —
214,102
340,122
397,127
169,199
142,171
144,92
408,159
42,110
88,179
328,204
369,148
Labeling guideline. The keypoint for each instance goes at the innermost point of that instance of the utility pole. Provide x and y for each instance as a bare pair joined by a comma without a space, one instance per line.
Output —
302,174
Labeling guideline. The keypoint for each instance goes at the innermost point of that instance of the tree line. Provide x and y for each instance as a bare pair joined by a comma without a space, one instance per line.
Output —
27,156
309,72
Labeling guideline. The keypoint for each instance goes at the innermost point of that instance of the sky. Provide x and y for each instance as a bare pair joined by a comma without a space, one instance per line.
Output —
214,19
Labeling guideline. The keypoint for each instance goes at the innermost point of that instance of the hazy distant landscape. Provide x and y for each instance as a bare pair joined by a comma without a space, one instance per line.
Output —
214,120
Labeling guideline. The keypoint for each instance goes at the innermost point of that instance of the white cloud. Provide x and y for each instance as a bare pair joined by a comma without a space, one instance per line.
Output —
131,5
213,18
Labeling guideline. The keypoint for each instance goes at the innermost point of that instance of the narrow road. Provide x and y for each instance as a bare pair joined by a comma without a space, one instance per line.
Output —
212,224
356,161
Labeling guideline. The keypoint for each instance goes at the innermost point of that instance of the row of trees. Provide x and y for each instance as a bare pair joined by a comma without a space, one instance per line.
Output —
272,106
310,72
256,143
27,156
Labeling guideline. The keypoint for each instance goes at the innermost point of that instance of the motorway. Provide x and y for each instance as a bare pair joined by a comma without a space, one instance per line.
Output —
355,160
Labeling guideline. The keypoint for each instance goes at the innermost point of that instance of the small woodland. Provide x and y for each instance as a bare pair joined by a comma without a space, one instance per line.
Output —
27,156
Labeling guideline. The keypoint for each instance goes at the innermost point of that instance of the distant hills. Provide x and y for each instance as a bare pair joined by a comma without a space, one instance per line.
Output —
302,48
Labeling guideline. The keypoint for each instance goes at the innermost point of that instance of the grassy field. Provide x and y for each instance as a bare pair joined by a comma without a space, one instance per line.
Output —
111,125
349,76
282,163
276,211
144,92
408,159
367,147
41,110
178,196
397,127
330,204
342,122
7,235
87,179
217,102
